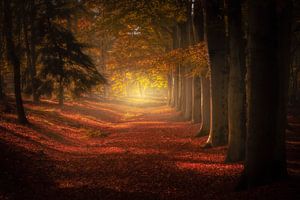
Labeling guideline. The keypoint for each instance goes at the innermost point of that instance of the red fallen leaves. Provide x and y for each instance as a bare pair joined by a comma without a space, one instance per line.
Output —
145,153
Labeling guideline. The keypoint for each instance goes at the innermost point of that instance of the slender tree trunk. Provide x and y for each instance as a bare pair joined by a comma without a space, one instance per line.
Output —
183,68
179,105
31,50
196,114
198,35
174,101
61,91
34,81
267,86
15,61
175,85
169,88
205,106
237,88
189,76
179,72
216,39
176,88
183,89
188,94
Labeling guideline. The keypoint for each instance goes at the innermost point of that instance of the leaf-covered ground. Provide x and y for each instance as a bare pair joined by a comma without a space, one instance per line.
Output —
93,149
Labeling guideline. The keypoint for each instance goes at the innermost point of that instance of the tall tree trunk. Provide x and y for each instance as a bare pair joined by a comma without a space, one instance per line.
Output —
15,61
267,86
198,35
216,40
237,88
175,71
169,88
189,76
172,103
188,94
183,88
183,68
179,97
61,91
196,113
34,81
205,106
176,87
30,45
179,73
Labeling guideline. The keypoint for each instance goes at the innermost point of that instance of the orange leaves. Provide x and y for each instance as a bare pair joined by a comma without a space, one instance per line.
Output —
196,55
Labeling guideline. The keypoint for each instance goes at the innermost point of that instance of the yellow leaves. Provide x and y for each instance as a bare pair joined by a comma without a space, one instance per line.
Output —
196,55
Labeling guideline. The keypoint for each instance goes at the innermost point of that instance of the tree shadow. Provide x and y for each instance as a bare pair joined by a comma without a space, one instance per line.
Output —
23,174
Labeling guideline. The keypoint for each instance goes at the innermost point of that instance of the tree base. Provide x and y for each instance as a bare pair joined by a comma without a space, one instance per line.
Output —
207,146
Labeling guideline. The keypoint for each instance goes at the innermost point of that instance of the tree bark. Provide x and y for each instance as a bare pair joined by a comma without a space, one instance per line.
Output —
169,88
176,88
34,81
179,70
179,96
188,94
237,88
216,40
183,68
205,106
15,61
196,112
267,86
175,70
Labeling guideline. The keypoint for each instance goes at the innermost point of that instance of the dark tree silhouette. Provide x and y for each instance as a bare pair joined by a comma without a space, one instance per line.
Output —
268,69
14,60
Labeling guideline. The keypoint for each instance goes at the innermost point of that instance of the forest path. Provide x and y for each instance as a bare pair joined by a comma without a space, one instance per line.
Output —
125,149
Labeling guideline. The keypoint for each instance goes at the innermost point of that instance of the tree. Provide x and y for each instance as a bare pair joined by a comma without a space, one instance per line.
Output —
237,88
14,59
31,37
205,106
267,74
216,41
65,65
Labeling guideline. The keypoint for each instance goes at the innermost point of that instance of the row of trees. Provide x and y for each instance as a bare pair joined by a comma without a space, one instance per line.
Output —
37,40
244,94
226,63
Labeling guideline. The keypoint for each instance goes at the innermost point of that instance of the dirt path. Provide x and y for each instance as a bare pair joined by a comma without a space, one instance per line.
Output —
120,150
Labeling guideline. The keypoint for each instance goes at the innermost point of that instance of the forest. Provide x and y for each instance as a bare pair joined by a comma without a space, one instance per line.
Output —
149,99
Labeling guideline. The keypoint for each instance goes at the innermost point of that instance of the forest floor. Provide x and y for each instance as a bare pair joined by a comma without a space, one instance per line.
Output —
136,150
